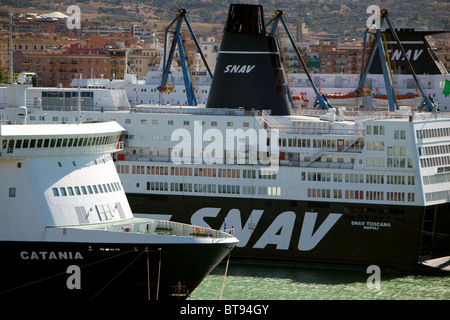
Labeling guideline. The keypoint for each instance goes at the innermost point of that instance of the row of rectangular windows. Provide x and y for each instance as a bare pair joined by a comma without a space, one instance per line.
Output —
235,173
285,142
54,118
432,150
84,190
435,161
356,178
391,162
314,143
11,144
375,130
197,172
432,133
67,94
212,188
187,123
359,195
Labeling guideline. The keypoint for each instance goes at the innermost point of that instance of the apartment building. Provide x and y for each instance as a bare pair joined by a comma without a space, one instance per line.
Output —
29,43
59,67
142,60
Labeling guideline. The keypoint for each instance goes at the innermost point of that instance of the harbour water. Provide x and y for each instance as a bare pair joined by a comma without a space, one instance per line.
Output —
263,282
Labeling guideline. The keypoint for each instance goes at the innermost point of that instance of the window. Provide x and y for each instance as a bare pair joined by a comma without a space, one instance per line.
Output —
12,192
400,134
70,191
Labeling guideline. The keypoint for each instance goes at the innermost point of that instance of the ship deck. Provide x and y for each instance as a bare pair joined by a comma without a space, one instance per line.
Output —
442,263
152,226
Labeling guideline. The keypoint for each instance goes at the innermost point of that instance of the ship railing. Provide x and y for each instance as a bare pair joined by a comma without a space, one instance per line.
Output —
170,109
170,228
119,146
282,163
322,131
351,115
314,157
328,165
73,108
269,120
106,148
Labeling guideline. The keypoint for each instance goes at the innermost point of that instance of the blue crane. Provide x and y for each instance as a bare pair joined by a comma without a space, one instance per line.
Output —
321,99
378,42
167,61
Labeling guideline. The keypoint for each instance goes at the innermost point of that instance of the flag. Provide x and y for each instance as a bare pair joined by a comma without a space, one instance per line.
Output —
446,91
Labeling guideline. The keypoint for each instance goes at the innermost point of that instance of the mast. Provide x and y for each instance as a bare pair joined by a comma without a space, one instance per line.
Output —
10,47
79,104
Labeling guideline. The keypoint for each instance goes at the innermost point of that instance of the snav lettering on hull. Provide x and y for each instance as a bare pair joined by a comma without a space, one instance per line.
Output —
278,233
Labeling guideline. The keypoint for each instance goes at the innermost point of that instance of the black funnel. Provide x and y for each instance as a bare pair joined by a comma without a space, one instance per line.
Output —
422,57
248,71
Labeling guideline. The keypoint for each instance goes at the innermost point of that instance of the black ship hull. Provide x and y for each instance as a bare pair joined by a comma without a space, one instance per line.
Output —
36,271
395,238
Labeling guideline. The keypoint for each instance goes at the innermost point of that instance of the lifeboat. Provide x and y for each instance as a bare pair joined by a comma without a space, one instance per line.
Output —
409,99
350,99
300,101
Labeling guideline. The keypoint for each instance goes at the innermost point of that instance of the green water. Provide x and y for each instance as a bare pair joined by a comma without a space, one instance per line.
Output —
255,282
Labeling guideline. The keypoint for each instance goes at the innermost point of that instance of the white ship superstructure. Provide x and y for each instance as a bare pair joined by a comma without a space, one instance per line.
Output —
339,144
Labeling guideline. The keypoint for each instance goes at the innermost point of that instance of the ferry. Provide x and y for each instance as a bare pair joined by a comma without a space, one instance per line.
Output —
345,187
67,232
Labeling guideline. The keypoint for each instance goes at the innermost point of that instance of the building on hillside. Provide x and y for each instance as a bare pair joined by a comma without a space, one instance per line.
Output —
142,60
28,43
59,67
210,48
118,62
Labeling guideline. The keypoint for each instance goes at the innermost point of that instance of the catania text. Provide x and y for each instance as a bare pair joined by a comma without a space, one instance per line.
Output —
48,255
